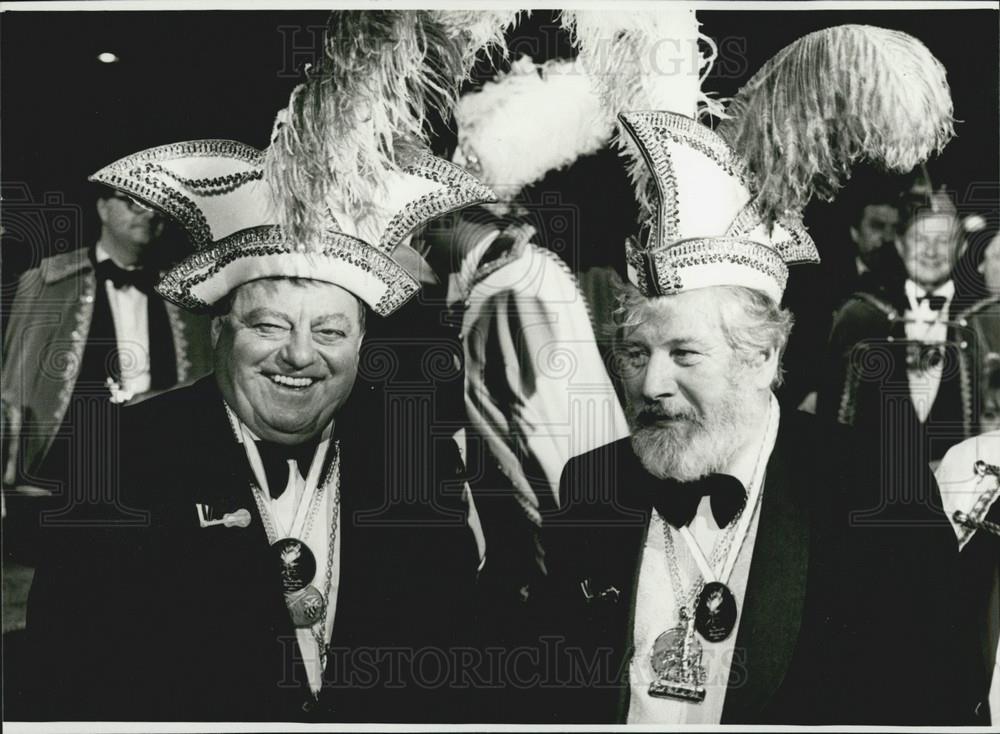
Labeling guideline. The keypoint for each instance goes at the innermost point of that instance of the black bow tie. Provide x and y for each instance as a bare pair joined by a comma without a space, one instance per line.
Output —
275,458
119,277
677,502
935,302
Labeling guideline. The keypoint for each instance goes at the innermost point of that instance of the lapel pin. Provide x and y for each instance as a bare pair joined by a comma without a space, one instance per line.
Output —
239,519
610,594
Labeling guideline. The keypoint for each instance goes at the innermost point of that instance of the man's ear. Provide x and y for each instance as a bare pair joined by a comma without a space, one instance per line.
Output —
765,369
855,234
102,210
899,246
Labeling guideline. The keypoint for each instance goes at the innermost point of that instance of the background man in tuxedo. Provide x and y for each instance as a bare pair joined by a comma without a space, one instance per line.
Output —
85,328
117,338
901,354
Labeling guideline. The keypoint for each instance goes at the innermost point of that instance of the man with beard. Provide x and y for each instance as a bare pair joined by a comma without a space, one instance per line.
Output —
721,564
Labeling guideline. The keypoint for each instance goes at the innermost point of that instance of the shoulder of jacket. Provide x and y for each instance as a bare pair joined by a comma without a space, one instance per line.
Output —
978,307
64,265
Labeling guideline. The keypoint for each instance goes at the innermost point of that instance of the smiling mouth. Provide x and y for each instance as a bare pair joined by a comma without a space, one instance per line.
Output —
295,383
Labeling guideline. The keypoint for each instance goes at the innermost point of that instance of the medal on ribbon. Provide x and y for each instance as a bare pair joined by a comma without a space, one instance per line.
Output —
676,660
297,564
715,612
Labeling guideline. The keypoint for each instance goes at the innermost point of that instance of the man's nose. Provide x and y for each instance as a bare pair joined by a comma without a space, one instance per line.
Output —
660,378
298,351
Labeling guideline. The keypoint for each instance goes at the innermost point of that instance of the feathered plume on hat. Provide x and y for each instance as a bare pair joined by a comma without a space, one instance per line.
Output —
361,112
728,204
831,98
534,119
539,118
644,60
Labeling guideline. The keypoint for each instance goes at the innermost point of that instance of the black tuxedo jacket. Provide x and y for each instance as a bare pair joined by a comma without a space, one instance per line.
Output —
140,613
848,615
866,383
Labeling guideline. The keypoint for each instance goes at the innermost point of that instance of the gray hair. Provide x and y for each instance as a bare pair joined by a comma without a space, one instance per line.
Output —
751,321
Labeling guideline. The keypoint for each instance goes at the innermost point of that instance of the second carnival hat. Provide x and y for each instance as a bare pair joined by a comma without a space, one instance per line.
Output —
726,204
218,191
347,177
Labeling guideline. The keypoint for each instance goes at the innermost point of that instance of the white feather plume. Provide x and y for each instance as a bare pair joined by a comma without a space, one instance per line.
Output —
644,60
532,120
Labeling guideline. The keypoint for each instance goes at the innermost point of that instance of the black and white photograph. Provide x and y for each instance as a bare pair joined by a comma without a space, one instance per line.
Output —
468,365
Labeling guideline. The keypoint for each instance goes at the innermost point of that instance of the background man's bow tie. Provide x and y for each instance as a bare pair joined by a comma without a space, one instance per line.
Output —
275,458
119,277
677,502
935,302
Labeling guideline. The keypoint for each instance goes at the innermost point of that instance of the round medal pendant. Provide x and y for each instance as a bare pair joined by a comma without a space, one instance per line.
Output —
306,606
297,563
667,657
715,612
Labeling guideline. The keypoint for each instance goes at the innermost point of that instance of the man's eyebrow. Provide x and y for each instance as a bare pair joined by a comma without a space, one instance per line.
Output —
334,317
688,341
263,312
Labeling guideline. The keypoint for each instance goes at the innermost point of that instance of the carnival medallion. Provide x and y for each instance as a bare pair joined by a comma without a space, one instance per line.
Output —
715,612
297,563
306,606
676,660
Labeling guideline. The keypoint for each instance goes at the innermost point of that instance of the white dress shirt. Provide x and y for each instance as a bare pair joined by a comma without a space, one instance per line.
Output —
130,315
656,601
927,326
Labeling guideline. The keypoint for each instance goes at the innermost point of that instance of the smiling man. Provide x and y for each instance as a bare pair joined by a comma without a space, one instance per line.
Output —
261,572
287,355
904,354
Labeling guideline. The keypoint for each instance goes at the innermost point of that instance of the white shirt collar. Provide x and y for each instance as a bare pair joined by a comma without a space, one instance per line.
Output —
914,291
102,254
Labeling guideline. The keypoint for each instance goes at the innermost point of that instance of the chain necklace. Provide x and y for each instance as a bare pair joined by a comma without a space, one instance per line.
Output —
724,544
708,608
319,630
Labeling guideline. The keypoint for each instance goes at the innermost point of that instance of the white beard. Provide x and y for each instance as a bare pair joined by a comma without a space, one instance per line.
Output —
693,446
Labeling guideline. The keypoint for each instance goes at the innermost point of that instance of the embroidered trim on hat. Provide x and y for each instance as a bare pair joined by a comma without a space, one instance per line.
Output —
800,248
459,189
669,263
134,175
690,132
797,247
265,240
666,221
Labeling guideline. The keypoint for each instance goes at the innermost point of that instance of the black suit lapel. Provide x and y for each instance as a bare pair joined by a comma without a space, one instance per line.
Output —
772,609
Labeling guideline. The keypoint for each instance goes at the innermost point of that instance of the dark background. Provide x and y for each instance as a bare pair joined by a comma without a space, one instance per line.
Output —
186,75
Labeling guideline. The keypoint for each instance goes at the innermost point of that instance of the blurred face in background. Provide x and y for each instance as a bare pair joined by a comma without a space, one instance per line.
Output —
990,266
876,228
127,226
929,247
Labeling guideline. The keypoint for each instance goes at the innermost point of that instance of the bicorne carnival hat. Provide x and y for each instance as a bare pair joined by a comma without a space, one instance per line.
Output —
219,192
